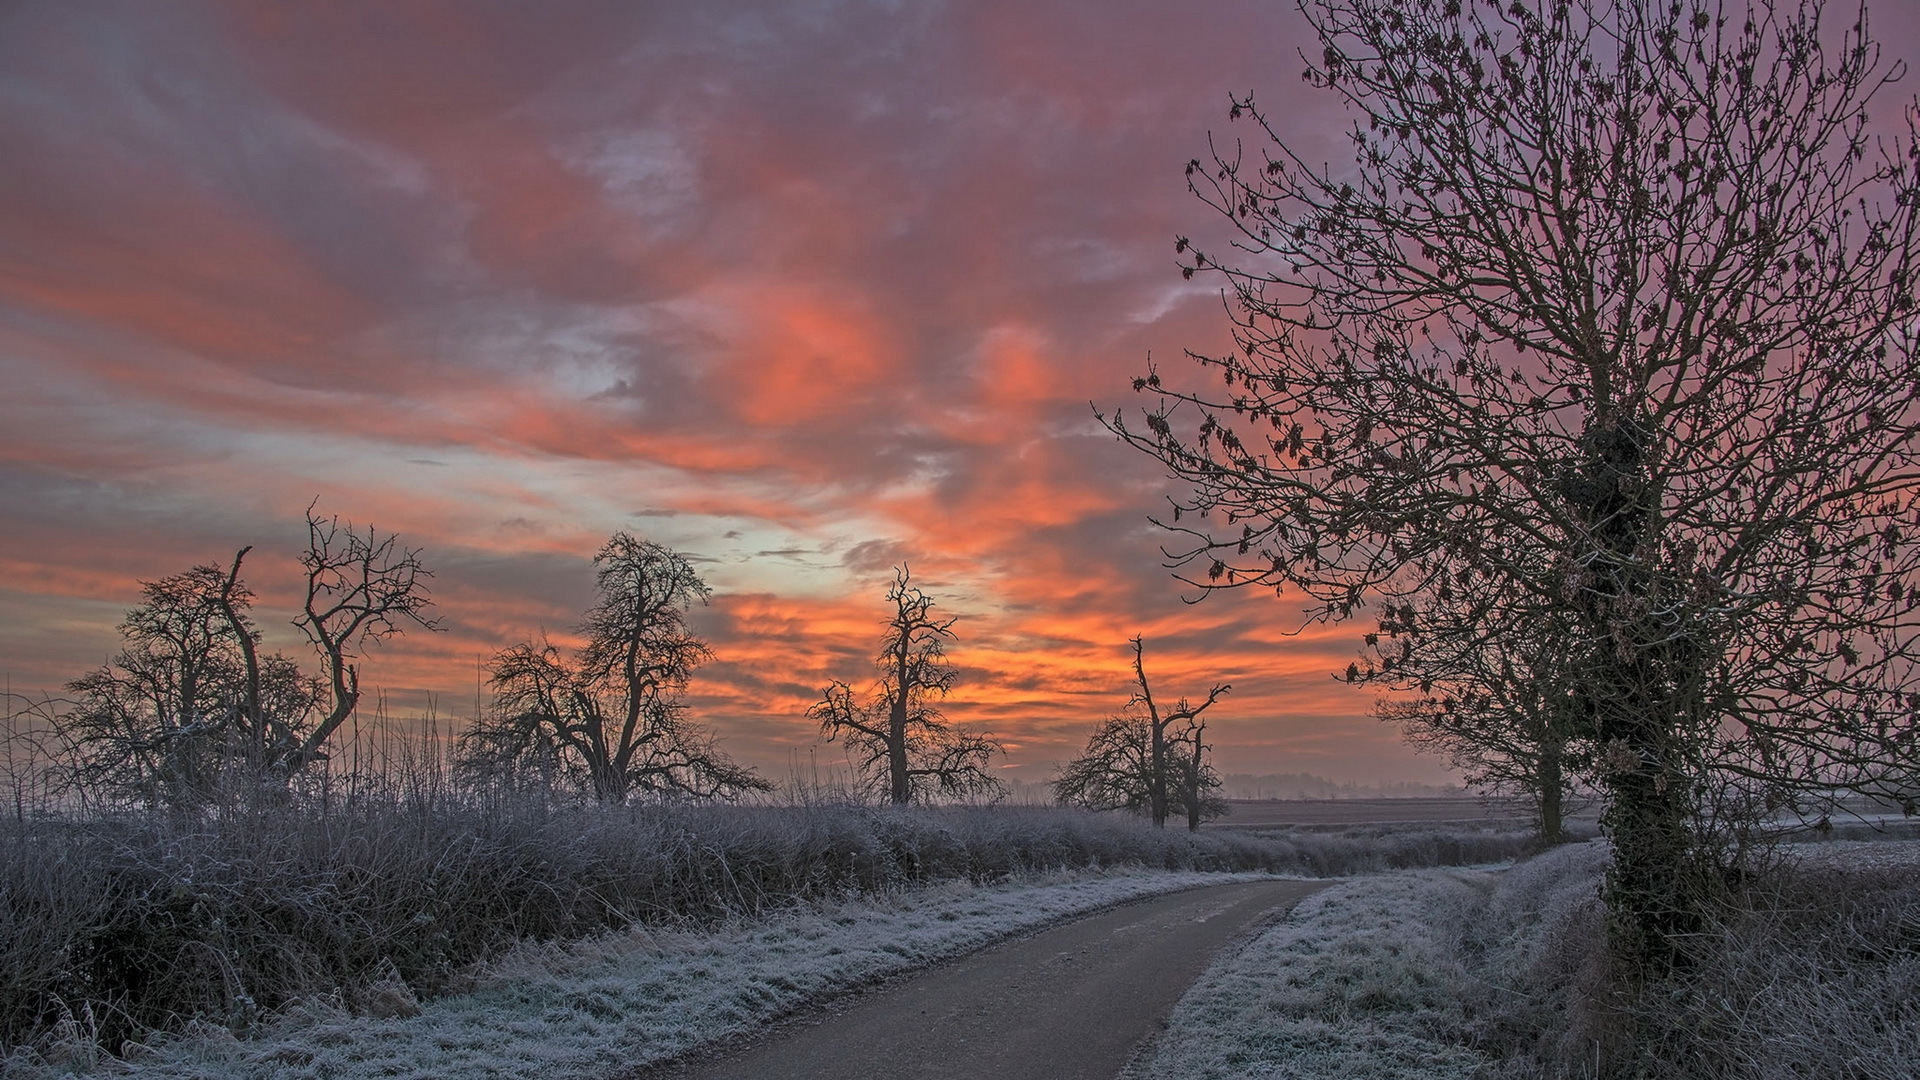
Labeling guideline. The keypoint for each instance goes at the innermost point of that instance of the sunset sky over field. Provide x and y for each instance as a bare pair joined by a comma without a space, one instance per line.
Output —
805,290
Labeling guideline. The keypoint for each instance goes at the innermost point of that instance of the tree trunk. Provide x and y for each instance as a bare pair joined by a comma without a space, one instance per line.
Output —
899,788
899,782
1157,752
1192,776
609,784
1551,782
1157,776
1654,899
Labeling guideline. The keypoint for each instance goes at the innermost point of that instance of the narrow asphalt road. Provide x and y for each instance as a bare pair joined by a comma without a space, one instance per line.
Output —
1070,1003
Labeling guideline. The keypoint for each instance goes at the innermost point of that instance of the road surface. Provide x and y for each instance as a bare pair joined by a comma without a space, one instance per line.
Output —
1070,1003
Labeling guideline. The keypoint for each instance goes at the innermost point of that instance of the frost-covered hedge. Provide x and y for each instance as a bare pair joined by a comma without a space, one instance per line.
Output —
116,927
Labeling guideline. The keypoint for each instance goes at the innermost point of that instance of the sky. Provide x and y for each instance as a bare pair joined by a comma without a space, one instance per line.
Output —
806,291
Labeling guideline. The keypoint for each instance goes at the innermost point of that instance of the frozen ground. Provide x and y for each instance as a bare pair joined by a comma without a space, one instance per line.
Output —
1355,984
614,1003
1392,977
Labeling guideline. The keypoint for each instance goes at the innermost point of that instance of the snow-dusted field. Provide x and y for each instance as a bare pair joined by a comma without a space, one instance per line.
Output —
620,1001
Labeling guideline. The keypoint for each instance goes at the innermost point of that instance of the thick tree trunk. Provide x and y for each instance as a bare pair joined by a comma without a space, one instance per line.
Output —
899,786
1157,778
1654,897
609,784
1193,773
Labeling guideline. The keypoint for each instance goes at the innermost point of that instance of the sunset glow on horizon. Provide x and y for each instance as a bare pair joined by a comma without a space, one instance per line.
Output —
806,291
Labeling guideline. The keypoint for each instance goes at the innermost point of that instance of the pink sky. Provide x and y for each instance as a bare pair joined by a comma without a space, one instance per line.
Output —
804,290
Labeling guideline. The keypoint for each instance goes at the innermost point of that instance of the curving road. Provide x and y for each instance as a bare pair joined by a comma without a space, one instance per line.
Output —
1070,1003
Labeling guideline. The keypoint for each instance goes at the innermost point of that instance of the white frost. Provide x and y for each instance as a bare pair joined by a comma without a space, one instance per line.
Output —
625,1000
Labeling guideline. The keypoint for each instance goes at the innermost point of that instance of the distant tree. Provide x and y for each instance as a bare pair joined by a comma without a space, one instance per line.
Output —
904,747
188,706
610,721
1193,787
1613,307
1147,761
1520,748
1503,707
1115,770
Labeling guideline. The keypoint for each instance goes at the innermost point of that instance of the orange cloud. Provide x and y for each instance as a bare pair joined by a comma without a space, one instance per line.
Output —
807,295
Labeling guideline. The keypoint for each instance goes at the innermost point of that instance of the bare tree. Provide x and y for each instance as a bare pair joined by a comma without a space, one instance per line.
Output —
1515,746
1160,765
362,588
1147,763
904,745
1192,784
1115,770
1501,703
611,721
1612,309
188,703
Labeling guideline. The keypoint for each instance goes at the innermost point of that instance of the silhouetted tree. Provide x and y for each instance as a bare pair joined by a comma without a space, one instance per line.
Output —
1504,709
361,588
1192,784
1611,309
1147,761
904,746
188,706
1115,771
1517,745
610,721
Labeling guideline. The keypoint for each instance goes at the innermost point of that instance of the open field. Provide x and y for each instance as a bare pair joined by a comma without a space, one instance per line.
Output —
1273,813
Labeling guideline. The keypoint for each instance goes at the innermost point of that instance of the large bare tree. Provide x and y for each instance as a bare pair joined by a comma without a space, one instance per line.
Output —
1612,308
188,709
904,746
611,721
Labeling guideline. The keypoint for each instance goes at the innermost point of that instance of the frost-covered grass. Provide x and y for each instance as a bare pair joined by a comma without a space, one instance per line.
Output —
1358,983
626,999
115,927
1814,971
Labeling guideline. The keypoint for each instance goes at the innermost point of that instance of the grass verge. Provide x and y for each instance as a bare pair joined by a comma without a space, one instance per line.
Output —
1443,974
